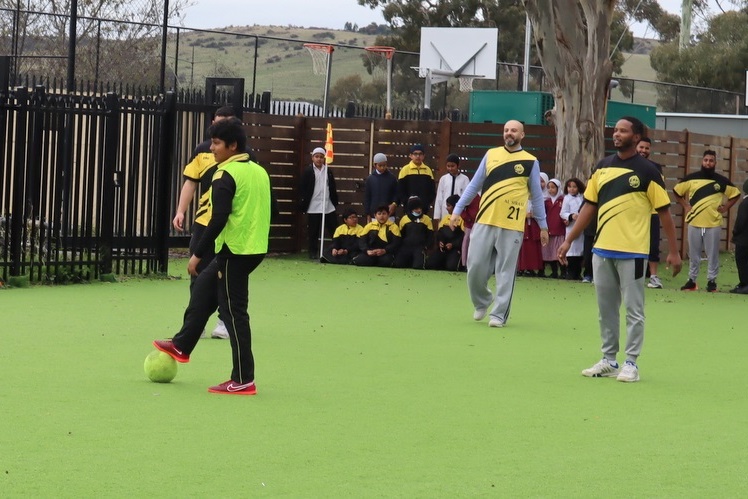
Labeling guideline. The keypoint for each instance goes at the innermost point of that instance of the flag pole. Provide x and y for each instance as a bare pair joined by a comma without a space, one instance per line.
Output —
328,160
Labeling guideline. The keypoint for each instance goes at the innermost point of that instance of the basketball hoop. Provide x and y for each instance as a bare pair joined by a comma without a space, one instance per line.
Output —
377,54
320,54
466,83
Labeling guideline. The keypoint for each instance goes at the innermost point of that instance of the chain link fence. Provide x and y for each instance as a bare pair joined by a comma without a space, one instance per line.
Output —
111,49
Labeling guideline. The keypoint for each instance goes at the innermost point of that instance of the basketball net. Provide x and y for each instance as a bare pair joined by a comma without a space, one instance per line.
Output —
466,83
320,54
378,57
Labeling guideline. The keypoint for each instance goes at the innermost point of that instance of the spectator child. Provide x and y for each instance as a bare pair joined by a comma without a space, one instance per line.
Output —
345,240
468,216
416,179
380,187
379,241
453,183
530,262
417,231
449,242
570,207
556,227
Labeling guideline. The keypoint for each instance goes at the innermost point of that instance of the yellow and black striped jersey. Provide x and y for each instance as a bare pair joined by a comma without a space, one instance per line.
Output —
625,192
506,188
201,170
705,193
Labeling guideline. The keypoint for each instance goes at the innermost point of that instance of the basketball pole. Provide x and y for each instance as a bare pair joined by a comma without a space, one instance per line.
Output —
327,84
526,75
389,85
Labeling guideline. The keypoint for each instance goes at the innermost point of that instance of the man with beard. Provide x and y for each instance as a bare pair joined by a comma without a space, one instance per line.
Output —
508,177
701,195
623,190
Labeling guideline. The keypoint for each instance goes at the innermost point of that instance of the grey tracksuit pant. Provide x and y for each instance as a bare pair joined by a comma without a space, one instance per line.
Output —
619,280
493,251
707,240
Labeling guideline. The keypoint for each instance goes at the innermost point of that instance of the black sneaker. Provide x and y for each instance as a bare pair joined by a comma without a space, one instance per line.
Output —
711,287
689,286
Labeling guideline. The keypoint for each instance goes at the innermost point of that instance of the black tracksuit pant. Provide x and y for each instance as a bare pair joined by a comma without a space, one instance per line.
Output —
224,284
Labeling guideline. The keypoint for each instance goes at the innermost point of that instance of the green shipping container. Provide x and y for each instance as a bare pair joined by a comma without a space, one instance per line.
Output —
497,106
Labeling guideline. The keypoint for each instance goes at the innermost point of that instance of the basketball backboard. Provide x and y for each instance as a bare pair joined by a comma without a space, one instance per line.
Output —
459,52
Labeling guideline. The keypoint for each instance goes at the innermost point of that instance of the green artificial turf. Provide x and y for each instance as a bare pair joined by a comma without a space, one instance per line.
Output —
372,383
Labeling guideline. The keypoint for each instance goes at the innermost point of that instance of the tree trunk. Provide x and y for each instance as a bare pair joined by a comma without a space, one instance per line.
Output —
573,41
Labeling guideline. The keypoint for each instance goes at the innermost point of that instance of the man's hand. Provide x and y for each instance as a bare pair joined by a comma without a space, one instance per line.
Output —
673,259
544,238
562,250
192,265
178,221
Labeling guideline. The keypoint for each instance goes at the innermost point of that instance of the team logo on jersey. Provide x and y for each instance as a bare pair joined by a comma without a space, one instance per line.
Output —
634,181
717,186
519,169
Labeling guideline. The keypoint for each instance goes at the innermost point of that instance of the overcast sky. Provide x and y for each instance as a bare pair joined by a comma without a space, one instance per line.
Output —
324,14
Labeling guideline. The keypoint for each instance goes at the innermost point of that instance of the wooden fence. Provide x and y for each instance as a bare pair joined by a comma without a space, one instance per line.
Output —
284,144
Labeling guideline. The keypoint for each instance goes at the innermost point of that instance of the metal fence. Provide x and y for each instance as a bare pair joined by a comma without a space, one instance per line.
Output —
273,59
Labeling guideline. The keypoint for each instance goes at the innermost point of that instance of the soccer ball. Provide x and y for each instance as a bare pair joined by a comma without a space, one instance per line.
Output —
160,367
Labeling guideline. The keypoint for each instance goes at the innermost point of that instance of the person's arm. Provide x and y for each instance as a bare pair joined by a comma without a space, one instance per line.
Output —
440,199
668,226
472,190
185,197
589,211
729,204
223,189
681,199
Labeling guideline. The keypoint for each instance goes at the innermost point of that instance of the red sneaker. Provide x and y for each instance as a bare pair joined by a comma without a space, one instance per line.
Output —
167,346
234,388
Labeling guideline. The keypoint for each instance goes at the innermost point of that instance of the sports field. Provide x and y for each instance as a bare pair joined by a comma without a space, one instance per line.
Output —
371,383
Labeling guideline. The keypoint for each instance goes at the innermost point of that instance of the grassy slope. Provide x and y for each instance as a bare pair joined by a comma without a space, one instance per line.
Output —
291,78
372,383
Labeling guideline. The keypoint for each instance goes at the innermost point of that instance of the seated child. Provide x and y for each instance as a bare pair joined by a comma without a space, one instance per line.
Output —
378,241
345,240
417,231
448,253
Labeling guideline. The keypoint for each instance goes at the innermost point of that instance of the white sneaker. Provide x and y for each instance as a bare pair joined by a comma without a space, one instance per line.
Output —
629,373
602,369
479,314
204,334
220,332
495,322
654,282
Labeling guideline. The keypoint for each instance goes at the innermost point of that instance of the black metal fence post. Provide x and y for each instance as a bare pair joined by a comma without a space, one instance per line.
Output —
111,153
19,199
163,176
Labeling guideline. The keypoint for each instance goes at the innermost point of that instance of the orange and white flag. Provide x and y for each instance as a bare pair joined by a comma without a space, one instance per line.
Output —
328,145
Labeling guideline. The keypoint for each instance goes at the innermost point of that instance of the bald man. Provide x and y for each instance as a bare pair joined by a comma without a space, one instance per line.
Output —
508,178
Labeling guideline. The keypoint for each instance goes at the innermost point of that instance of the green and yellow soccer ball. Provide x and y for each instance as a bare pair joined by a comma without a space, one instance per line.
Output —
160,367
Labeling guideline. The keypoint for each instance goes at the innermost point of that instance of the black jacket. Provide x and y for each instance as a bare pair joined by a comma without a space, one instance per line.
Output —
379,189
740,229
306,188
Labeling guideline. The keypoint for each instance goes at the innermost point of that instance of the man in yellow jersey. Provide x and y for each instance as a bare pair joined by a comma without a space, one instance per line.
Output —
507,176
701,194
238,234
623,190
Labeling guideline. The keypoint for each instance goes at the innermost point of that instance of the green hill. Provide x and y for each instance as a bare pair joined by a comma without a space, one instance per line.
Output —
284,66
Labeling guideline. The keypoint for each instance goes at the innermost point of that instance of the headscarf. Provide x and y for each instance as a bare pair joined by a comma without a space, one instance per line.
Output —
544,176
559,193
